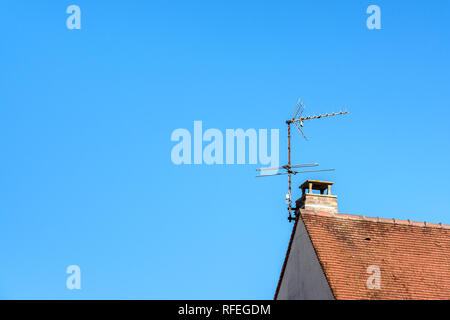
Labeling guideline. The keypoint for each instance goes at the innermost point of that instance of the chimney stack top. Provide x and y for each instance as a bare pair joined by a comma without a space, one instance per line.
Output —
315,201
316,185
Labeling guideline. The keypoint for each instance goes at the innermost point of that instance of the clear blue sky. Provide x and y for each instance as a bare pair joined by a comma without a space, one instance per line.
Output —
86,118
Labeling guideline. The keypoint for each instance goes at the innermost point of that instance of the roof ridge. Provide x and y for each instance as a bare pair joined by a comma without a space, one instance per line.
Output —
377,219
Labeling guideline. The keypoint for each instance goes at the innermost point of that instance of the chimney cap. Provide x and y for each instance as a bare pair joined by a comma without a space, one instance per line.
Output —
316,184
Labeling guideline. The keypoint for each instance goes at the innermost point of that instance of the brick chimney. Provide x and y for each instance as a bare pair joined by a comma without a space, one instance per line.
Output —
323,201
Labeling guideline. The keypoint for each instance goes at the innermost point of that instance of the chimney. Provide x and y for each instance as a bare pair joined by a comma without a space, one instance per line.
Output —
323,201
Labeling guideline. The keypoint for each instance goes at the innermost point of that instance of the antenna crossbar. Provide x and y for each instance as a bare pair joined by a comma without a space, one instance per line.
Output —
317,117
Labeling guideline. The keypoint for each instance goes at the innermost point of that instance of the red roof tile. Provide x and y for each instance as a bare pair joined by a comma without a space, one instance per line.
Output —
414,258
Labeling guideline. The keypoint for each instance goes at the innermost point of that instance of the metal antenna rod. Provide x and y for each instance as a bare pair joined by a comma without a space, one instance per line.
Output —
317,117
289,171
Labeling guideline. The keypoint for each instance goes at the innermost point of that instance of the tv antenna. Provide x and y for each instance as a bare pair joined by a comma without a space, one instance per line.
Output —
297,120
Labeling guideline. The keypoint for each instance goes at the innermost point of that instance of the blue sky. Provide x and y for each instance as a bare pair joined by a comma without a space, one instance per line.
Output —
86,118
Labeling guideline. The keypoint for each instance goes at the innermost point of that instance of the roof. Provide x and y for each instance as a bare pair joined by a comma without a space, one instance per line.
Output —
413,257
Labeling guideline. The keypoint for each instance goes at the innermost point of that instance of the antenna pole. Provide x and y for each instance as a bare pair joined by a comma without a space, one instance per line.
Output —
289,169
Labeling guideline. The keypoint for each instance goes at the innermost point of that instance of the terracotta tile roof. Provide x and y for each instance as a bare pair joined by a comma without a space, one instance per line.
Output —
413,257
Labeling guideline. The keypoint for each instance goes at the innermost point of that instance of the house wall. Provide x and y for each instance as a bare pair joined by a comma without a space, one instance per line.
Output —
303,277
